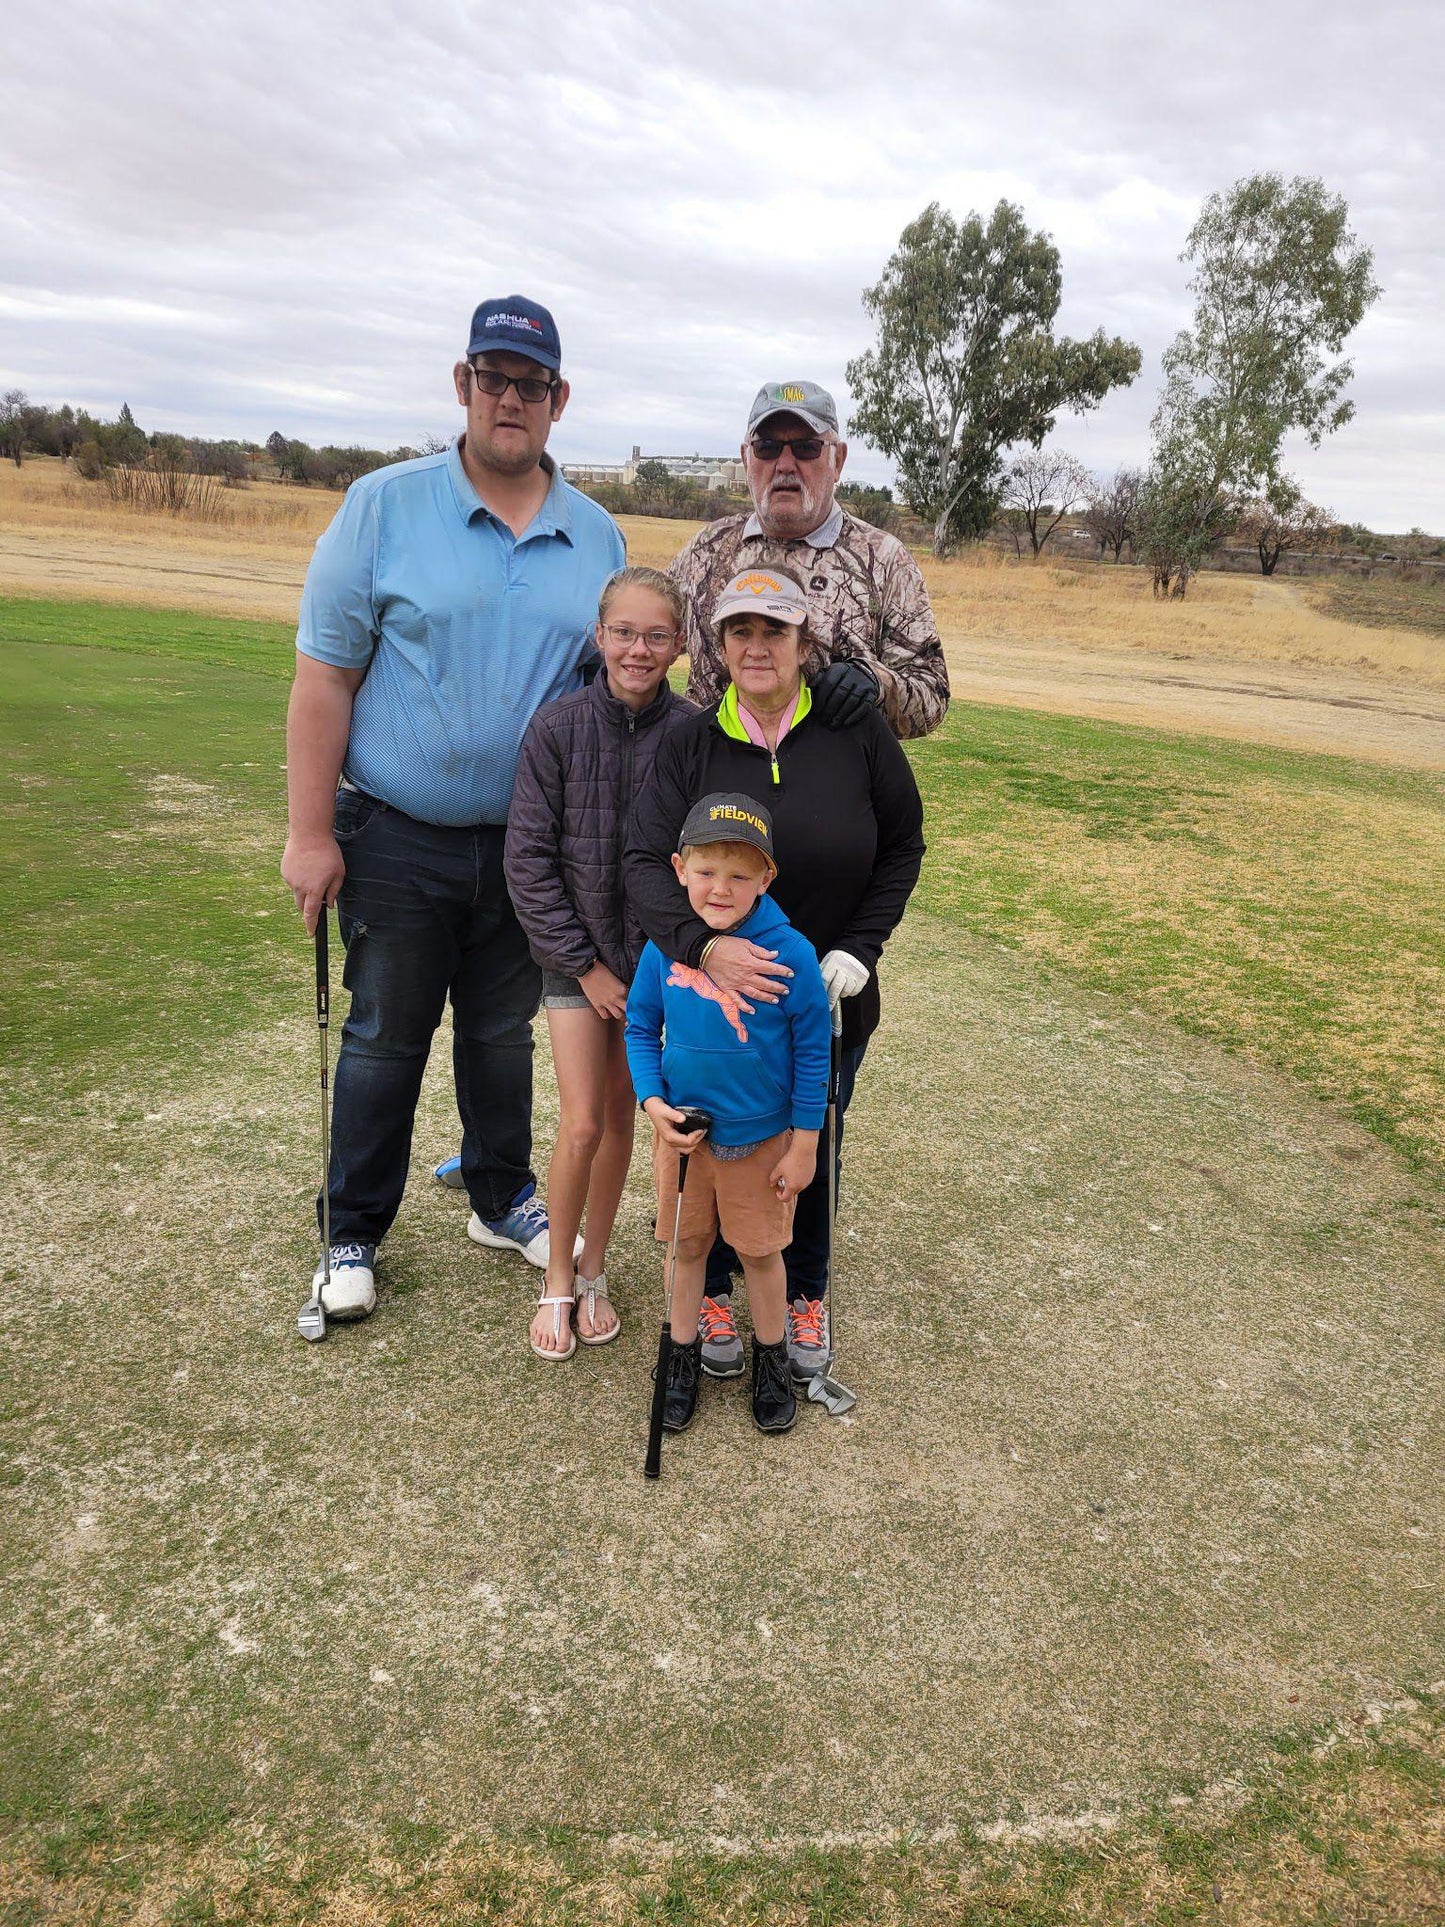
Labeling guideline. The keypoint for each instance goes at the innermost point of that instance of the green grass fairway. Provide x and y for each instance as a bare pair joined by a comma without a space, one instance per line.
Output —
1118,1598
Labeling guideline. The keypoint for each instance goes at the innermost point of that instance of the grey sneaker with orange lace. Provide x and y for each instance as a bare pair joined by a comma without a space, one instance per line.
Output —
808,1339
722,1348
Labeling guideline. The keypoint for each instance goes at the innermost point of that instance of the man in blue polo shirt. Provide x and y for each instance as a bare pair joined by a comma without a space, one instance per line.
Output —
448,600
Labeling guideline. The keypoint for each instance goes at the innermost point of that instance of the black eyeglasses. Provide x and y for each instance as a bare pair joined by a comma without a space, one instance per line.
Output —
532,388
806,448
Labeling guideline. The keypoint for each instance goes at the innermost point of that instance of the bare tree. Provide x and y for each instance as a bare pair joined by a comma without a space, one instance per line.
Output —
1111,511
1281,519
1039,489
14,419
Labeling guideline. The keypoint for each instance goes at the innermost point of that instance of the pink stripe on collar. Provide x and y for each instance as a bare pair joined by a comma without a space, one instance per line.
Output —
755,729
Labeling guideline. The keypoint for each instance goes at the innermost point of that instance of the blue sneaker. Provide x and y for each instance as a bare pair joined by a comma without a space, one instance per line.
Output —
352,1290
449,1173
522,1227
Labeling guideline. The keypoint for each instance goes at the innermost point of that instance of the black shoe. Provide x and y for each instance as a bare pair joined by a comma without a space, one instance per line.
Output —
684,1375
774,1407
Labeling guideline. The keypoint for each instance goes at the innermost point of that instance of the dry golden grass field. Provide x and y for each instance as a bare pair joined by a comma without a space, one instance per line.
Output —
1242,658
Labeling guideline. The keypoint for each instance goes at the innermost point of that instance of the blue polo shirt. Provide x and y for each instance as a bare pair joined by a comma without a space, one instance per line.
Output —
464,630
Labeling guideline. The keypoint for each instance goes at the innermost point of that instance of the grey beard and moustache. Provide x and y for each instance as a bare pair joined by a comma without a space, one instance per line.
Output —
800,506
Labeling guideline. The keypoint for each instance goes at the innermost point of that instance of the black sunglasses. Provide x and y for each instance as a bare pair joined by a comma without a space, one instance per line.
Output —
806,448
533,388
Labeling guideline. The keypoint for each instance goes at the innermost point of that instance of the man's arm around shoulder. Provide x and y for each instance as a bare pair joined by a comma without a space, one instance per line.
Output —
914,683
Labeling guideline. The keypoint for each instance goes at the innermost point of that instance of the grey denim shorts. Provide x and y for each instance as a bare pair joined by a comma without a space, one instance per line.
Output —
562,993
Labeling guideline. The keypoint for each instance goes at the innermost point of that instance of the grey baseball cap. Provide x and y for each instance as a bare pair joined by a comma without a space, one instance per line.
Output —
805,399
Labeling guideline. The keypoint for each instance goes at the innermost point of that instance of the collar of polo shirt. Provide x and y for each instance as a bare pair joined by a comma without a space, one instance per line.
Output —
822,537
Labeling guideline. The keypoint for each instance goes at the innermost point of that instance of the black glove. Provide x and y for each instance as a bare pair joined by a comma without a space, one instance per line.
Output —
844,693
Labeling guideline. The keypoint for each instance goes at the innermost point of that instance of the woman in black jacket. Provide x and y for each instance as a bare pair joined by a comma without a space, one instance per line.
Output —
848,832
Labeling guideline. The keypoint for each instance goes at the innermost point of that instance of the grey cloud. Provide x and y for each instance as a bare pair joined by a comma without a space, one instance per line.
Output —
313,196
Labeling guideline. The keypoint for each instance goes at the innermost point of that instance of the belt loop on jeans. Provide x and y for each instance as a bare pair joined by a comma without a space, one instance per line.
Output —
354,789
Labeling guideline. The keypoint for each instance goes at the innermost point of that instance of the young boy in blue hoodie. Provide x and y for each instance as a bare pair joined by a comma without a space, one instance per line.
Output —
761,1073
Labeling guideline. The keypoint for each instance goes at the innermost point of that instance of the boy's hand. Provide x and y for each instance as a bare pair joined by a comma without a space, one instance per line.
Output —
794,1170
667,1120
606,994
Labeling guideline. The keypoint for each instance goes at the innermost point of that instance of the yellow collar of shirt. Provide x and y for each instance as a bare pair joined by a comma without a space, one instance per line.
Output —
733,725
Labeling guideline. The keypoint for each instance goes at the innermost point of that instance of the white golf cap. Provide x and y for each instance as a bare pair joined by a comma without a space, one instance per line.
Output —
761,592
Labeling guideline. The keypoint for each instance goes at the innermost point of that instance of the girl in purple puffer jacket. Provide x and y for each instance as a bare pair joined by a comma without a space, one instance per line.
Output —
583,761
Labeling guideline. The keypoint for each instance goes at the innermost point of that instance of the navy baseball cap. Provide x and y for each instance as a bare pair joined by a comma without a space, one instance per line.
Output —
516,326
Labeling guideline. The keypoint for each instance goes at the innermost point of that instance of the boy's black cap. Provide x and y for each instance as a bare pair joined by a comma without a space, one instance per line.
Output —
726,818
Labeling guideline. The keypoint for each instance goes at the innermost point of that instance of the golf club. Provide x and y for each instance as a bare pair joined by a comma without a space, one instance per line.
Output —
311,1319
823,1388
692,1120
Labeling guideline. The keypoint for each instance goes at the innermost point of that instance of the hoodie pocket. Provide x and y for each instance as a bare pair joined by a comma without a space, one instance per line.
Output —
739,1084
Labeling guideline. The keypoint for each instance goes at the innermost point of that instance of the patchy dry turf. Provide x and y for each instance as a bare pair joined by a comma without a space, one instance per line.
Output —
1144,1467
1117,1599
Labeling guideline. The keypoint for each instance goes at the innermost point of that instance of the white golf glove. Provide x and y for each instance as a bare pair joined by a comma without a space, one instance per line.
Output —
843,975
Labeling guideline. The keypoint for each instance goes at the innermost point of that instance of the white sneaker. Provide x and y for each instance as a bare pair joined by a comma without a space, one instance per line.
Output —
352,1290
521,1228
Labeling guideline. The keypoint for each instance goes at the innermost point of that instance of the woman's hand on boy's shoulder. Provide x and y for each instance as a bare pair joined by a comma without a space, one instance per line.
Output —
745,969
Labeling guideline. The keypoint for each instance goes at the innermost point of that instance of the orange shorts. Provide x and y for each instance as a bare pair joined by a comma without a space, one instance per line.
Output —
732,1193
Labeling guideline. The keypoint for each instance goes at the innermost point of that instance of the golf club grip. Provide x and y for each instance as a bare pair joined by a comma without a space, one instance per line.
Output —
652,1464
323,971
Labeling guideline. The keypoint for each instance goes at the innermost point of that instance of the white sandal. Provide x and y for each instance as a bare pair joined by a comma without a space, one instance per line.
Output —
592,1289
542,1351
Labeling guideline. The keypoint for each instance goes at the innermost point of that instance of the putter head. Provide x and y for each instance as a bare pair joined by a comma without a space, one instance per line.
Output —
311,1320
824,1389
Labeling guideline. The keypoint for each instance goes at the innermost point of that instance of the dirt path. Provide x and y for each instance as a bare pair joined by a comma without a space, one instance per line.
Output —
217,578
1144,1467
1322,709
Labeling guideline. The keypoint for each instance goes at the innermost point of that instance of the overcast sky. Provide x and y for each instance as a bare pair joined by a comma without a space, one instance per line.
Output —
248,217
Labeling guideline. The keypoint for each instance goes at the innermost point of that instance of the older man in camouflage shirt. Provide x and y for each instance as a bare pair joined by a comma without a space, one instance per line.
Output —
870,621
868,608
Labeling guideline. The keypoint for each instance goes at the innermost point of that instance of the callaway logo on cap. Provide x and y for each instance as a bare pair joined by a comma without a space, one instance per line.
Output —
764,592
516,326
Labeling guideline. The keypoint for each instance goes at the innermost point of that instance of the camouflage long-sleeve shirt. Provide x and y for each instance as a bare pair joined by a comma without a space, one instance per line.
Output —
866,599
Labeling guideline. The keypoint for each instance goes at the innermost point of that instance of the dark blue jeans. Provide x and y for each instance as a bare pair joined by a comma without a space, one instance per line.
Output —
806,1258
425,914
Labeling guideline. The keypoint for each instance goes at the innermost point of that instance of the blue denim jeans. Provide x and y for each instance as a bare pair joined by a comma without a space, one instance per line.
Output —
425,915
806,1258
